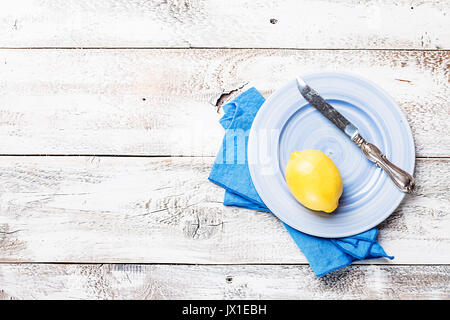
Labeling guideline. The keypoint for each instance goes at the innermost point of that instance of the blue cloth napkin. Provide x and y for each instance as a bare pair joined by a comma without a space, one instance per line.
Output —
230,171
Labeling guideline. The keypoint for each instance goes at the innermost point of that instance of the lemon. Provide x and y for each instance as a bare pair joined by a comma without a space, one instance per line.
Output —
314,180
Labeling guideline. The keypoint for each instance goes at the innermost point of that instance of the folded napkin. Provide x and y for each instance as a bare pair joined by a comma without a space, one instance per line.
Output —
230,171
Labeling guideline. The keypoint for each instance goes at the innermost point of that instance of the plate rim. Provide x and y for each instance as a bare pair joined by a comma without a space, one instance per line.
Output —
410,138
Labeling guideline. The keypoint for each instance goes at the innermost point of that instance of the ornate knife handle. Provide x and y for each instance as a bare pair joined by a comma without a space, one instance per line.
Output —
402,179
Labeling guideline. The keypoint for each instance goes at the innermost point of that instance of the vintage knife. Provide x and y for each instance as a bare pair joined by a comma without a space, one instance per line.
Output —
402,179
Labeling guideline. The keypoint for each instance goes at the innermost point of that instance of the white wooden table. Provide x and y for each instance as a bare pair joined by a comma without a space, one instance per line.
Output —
109,127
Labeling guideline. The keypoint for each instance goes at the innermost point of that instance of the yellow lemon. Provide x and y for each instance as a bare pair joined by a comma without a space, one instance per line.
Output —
314,180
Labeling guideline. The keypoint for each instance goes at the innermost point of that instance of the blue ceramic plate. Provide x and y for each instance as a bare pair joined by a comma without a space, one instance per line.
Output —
286,122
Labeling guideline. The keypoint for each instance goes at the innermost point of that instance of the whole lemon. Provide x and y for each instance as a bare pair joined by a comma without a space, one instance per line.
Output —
314,180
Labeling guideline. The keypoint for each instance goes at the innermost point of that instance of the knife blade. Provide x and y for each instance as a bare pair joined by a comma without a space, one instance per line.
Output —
402,179
326,109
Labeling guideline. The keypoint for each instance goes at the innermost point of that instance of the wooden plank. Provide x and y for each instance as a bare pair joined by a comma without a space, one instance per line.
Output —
162,102
164,210
41,281
233,23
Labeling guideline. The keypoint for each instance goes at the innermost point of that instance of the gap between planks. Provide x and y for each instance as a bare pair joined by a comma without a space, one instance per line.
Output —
157,156
291,264
225,48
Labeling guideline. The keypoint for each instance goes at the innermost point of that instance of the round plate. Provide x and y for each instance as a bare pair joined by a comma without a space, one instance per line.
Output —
286,122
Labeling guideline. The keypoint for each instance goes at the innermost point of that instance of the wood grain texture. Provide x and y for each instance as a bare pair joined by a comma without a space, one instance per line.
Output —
221,282
162,102
164,210
153,102
233,23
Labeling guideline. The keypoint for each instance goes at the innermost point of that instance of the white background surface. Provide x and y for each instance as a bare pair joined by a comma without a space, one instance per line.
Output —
108,130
